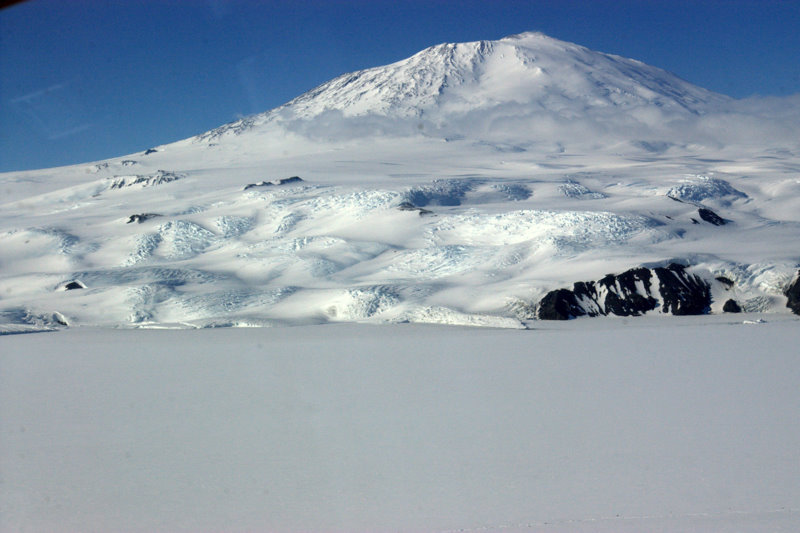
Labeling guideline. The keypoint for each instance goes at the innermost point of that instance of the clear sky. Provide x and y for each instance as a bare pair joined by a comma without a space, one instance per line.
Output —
82,80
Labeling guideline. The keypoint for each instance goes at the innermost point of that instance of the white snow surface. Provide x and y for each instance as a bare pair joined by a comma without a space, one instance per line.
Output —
679,424
541,163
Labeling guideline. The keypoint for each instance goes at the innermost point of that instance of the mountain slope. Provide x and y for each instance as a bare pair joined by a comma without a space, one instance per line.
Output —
459,186
530,71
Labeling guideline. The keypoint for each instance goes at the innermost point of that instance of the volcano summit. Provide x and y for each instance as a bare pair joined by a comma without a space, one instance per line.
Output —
491,84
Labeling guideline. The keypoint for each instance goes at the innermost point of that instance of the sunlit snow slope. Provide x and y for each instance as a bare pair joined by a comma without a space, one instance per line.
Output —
457,186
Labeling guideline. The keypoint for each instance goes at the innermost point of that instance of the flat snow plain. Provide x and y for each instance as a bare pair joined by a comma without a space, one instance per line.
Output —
648,424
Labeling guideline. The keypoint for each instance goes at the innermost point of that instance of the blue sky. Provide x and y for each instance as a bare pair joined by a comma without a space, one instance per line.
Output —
82,80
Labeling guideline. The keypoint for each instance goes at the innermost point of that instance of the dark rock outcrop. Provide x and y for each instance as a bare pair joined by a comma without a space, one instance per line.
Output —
160,177
711,217
622,296
408,206
793,295
683,293
632,293
560,304
731,307
705,213
282,181
141,217
725,281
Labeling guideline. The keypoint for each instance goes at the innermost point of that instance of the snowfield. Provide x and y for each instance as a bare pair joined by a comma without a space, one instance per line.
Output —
473,184
156,250
648,424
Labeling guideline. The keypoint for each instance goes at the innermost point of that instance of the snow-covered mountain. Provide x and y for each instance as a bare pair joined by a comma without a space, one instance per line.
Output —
529,74
462,185
530,69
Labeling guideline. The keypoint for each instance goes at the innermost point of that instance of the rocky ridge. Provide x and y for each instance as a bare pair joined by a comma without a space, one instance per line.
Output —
670,290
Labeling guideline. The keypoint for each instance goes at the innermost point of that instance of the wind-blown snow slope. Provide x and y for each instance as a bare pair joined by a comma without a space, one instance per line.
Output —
482,83
457,186
529,68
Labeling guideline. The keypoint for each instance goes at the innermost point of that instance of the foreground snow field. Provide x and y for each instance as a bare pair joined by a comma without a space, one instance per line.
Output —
649,424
